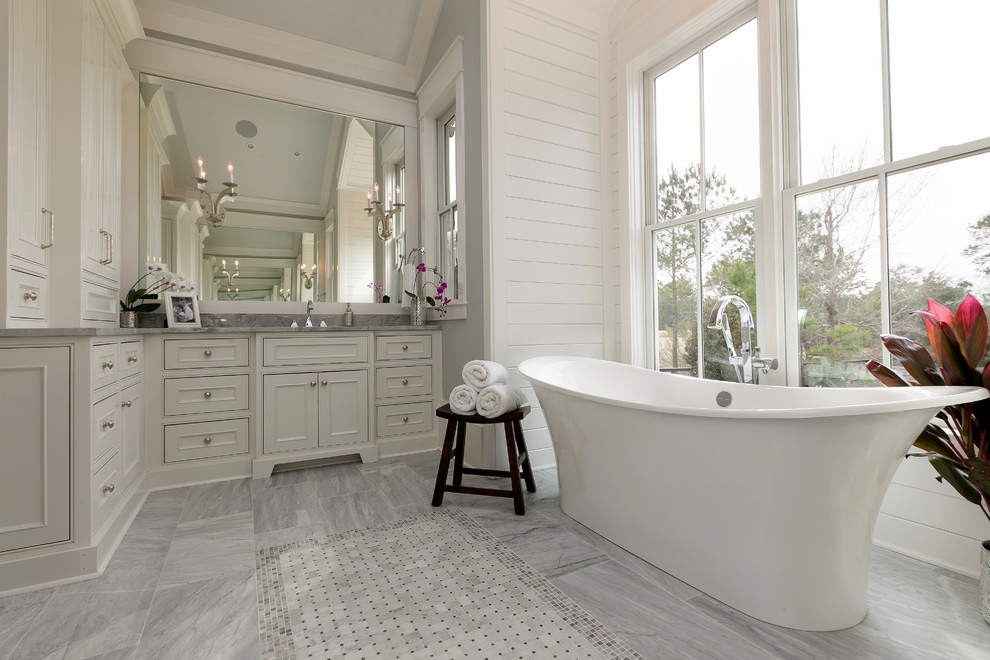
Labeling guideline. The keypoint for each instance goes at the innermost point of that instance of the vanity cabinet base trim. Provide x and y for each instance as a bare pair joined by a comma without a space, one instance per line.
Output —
263,465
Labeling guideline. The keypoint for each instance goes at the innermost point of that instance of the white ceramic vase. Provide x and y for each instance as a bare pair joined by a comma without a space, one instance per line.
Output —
985,581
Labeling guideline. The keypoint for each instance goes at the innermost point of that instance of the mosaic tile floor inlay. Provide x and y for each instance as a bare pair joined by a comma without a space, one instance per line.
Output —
436,586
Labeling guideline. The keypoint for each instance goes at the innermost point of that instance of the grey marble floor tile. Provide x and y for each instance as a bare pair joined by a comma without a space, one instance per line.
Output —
400,485
291,535
16,615
425,464
135,566
413,510
204,549
357,511
214,619
285,507
550,549
223,498
86,625
342,479
381,464
661,578
651,620
119,654
284,478
163,499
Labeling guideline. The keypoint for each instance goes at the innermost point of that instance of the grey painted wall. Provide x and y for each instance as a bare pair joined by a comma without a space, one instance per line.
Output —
463,340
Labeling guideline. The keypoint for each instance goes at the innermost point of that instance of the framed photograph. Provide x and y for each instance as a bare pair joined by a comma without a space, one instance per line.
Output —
182,310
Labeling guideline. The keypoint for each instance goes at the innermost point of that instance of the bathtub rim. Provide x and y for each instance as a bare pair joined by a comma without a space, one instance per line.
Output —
935,397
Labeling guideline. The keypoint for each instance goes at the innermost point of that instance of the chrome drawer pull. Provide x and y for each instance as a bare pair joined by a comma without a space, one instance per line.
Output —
108,424
405,347
323,382
132,358
32,295
109,488
51,230
207,440
108,364
207,395
125,404
312,383
405,419
208,353
405,381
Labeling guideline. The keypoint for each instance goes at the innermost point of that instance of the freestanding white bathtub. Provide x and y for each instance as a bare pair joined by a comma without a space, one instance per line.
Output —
767,504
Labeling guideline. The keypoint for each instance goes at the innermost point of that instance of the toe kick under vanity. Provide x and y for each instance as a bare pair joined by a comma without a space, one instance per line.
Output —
92,420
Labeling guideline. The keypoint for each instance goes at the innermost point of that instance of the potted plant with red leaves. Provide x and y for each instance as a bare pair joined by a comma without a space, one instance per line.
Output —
957,442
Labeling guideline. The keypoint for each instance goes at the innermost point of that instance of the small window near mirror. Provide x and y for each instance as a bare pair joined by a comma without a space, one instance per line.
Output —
447,209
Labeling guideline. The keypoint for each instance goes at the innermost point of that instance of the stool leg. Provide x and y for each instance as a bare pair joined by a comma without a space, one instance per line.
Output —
459,453
448,441
527,466
517,496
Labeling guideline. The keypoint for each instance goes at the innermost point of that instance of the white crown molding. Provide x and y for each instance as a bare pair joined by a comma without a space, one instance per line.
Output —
438,86
127,19
192,24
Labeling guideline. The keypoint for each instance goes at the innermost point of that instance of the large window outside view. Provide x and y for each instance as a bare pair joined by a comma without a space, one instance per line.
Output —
889,173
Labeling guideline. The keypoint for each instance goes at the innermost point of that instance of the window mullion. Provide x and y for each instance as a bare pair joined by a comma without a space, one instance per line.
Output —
702,189
888,151
699,298
884,264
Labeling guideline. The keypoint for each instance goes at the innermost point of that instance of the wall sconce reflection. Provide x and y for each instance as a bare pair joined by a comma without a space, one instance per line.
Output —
232,295
285,295
213,210
307,277
230,276
383,213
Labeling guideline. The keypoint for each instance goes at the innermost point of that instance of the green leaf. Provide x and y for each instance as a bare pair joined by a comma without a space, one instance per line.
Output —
914,358
431,301
385,298
978,464
145,307
956,479
981,482
934,439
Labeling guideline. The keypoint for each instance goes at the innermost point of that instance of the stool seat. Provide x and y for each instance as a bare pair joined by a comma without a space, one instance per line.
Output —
515,444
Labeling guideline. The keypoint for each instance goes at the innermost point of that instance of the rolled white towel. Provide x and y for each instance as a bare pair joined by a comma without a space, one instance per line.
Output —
482,373
464,399
499,399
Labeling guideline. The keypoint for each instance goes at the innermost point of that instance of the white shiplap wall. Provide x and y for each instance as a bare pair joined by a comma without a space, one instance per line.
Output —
547,255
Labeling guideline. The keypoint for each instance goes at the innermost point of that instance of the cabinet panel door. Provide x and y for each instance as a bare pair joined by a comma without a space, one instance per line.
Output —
34,455
343,408
291,414
132,433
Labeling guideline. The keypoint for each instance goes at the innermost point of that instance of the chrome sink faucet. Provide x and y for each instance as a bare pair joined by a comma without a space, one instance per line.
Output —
309,312
747,361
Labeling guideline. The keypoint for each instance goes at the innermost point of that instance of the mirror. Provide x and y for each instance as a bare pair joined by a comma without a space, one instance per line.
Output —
297,229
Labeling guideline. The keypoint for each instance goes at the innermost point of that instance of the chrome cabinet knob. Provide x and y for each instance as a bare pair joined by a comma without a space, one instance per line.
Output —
132,358
108,424
207,440
125,404
109,488
405,347
405,419
207,353
207,395
323,382
108,364
405,381
312,383
31,295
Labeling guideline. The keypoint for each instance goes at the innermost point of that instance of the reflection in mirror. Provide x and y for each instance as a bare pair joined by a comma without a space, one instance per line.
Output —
297,230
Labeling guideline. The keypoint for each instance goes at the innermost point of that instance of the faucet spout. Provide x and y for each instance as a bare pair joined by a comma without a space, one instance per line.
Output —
719,320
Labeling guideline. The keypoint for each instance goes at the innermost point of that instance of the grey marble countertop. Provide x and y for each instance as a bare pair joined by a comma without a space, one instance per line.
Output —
236,323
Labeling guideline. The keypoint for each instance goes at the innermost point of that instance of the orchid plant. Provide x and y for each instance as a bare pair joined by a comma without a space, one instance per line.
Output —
438,301
959,448
138,298
379,290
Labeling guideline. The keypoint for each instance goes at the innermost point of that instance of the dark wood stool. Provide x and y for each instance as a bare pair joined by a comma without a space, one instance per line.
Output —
515,444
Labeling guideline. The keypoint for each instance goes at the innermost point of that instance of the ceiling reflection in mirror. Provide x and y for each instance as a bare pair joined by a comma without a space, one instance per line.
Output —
297,229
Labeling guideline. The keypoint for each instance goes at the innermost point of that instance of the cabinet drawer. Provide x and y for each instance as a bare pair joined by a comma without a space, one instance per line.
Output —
104,495
131,358
99,302
104,365
285,351
184,396
205,353
401,418
106,425
28,295
187,442
403,381
404,347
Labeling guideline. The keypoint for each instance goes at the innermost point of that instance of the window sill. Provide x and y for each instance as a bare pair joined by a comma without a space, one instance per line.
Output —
455,311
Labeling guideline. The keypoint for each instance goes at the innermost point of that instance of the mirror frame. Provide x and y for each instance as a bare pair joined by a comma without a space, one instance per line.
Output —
192,65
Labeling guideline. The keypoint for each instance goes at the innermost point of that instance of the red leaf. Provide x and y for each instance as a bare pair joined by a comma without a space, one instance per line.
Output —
885,375
914,358
934,328
970,324
957,371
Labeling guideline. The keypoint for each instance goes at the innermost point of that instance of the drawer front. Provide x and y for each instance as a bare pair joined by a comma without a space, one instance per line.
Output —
105,364
403,381
131,358
28,295
105,494
188,442
401,418
285,351
404,347
107,420
99,302
184,396
206,353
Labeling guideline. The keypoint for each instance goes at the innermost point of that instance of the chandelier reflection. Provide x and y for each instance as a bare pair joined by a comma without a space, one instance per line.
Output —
213,211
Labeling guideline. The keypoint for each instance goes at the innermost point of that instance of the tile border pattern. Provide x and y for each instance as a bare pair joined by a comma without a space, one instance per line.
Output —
274,595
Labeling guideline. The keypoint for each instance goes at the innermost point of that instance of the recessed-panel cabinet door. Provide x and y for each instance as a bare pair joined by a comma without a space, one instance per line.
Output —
34,452
290,410
343,408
